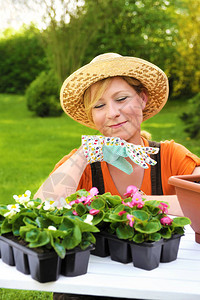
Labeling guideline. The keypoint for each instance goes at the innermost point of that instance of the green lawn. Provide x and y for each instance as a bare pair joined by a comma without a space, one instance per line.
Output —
31,146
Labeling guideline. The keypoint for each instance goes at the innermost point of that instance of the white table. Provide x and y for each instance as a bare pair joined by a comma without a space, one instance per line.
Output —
176,280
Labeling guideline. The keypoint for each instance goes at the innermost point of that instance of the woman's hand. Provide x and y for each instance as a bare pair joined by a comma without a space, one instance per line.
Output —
114,150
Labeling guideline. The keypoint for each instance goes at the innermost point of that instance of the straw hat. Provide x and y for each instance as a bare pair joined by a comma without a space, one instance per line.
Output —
110,65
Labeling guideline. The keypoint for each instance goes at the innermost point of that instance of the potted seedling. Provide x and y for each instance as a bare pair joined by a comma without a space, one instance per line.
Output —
45,238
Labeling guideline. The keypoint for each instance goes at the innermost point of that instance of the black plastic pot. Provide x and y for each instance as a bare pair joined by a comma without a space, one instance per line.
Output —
146,255
101,246
120,250
75,262
44,266
7,255
170,248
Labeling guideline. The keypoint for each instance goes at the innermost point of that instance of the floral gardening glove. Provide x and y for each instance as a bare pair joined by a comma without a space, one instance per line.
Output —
113,150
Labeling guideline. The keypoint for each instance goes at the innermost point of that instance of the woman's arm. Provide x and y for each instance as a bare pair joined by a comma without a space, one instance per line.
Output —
175,208
196,171
64,180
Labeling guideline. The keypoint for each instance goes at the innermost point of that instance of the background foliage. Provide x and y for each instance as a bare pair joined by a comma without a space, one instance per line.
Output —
22,59
163,32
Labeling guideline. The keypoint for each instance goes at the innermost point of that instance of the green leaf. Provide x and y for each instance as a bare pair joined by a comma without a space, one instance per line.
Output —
98,204
178,230
98,218
55,219
73,239
87,236
119,208
3,210
124,232
155,237
6,227
17,225
181,221
117,218
112,200
28,221
67,224
84,245
141,215
166,232
81,209
138,238
24,229
23,212
60,249
42,222
32,235
85,227
59,233
150,227
43,239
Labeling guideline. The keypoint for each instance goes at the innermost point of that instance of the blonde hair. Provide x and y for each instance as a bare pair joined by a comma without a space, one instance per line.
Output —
100,87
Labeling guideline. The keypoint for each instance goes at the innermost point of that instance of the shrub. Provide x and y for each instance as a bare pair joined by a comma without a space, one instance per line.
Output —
22,59
42,95
192,117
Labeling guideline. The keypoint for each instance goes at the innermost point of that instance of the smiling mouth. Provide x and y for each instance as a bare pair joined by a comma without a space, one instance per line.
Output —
117,125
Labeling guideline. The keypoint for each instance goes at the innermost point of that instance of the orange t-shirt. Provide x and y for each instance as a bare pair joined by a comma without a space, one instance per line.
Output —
175,160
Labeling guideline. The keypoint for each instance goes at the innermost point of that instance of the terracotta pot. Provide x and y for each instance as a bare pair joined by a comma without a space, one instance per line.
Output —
188,193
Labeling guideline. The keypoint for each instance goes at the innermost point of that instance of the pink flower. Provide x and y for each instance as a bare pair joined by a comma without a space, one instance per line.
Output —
137,200
130,191
94,211
121,213
131,220
72,202
92,192
166,221
75,213
127,204
163,208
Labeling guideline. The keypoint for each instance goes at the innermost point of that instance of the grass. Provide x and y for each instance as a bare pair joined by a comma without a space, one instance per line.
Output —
8,294
31,146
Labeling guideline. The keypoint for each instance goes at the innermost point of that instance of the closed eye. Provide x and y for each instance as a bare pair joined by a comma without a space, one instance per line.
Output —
122,99
99,105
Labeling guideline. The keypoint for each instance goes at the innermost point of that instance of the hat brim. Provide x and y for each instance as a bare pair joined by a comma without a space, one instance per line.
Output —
152,77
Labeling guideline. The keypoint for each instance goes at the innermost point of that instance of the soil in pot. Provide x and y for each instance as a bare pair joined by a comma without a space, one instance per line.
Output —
146,255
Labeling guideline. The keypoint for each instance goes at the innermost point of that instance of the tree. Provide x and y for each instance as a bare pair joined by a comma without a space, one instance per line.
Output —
185,68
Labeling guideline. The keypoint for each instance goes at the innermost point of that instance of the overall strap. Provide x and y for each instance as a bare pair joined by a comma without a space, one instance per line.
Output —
156,180
97,177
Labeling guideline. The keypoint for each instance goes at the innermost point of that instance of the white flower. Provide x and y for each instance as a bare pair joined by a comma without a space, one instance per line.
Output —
62,202
89,219
49,204
30,204
22,199
13,209
52,228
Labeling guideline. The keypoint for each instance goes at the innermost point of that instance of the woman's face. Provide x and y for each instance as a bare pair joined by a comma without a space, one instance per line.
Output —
119,111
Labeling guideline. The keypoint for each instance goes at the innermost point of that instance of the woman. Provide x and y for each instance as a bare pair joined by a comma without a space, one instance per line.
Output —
115,94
